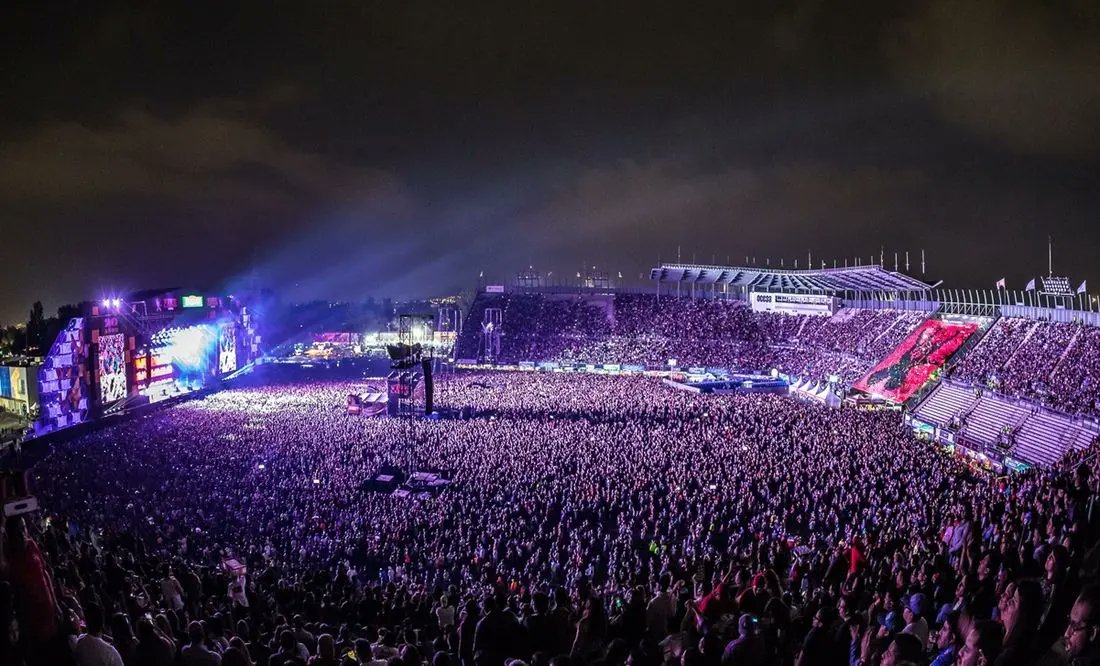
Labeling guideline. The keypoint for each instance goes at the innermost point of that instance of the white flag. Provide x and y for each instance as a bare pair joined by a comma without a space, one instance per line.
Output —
1001,283
1081,289
1030,285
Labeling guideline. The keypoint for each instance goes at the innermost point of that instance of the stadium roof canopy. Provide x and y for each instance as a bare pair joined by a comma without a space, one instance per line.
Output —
828,280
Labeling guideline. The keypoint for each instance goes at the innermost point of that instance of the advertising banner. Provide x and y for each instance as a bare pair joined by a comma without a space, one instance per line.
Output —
813,304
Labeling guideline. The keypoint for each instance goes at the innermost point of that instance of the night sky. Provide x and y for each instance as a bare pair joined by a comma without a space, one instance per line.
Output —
343,149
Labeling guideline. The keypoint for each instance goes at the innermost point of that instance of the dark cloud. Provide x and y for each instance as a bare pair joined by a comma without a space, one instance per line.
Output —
1022,74
209,155
348,148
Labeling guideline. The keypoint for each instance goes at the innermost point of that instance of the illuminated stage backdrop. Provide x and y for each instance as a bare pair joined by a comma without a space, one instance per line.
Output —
111,369
63,381
911,364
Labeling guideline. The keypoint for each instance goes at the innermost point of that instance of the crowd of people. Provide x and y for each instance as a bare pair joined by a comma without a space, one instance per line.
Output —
602,520
1054,363
642,329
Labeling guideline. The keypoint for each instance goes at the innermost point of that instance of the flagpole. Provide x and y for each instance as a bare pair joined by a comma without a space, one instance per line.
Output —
658,280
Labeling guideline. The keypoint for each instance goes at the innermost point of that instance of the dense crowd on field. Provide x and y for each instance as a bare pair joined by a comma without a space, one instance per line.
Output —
643,329
589,520
1054,363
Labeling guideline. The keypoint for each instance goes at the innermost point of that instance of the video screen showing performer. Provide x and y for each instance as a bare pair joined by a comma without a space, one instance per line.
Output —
112,367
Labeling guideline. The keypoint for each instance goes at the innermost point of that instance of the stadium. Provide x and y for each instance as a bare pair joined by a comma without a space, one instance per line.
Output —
734,464
543,333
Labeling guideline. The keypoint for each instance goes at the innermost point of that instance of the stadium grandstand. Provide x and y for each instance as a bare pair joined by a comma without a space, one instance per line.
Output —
864,334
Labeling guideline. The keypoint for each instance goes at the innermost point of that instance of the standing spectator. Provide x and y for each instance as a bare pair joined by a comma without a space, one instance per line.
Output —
195,653
171,590
445,613
154,647
124,639
496,635
540,625
91,649
748,648
326,652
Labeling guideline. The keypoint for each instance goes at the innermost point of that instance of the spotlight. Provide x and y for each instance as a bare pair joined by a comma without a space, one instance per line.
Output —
117,303
106,302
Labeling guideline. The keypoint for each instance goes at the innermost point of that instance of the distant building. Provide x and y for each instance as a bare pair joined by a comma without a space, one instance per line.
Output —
19,388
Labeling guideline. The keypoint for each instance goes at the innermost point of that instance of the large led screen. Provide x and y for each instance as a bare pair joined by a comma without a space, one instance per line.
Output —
112,368
13,383
227,348
191,301
187,356
911,364
18,378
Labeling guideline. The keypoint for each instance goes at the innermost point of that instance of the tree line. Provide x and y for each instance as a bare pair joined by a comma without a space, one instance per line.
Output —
35,337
